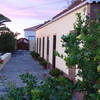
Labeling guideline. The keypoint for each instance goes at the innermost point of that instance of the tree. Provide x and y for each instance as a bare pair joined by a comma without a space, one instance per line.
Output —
83,49
7,42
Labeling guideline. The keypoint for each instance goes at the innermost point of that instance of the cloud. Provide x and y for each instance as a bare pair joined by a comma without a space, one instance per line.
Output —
35,13
31,11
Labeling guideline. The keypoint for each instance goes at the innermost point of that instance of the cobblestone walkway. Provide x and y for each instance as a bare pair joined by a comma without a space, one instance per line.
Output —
21,62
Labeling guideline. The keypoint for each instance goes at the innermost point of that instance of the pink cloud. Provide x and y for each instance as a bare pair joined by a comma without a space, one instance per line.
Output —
28,12
14,12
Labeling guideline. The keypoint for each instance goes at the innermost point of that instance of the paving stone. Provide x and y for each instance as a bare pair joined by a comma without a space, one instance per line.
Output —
21,62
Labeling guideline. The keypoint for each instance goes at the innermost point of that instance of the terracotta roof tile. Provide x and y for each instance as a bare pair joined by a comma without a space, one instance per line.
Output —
69,8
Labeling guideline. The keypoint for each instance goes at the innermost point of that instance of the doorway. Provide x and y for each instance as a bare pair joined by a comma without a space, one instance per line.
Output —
43,47
22,44
37,45
47,49
54,48
40,47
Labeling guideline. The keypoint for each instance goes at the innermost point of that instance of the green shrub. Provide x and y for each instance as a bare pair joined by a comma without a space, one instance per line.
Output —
82,47
30,82
7,42
34,54
40,59
44,63
54,89
55,72
15,93
50,89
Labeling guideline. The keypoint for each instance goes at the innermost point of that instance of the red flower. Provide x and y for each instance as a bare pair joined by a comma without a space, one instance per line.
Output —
1,61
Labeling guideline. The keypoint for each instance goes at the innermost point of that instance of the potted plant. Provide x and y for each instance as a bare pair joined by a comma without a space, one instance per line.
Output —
55,72
34,55
44,64
40,59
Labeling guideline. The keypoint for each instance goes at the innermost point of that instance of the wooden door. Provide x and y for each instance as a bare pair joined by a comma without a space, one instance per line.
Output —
54,48
40,47
47,49
43,46
37,45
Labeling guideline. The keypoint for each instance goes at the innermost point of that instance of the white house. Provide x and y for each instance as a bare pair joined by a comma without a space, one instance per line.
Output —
48,35
30,34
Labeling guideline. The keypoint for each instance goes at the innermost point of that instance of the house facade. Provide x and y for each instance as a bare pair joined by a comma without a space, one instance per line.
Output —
48,35
30,34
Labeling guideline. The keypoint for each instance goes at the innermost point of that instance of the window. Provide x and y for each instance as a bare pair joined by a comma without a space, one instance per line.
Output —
31,37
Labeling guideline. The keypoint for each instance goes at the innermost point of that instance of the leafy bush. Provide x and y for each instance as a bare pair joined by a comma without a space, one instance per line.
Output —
50,89
34,54
55,72
40,59
30,82
7,42
44,63
82,47
14,93
54,89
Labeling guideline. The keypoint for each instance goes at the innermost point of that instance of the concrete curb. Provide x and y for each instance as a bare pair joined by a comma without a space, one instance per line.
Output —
6,57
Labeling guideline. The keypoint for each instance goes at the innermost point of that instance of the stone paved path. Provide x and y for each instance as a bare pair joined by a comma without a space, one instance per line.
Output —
20,63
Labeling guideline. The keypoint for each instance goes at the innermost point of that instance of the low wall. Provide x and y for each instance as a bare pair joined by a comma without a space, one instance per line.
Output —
6,57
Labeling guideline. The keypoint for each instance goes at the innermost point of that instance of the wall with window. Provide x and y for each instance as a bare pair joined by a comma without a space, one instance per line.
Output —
59,27
30,35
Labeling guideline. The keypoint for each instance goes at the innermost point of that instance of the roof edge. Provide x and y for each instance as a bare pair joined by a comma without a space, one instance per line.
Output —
53,20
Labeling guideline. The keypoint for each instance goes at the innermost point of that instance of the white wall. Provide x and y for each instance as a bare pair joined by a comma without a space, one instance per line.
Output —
32,45
62,26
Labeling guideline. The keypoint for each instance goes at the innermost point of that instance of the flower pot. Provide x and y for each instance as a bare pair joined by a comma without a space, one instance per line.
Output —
56,76
1,61
39,62
97,82
44,67
44,75
34,58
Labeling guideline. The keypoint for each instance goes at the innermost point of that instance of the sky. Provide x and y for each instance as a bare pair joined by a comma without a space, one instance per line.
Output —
27,13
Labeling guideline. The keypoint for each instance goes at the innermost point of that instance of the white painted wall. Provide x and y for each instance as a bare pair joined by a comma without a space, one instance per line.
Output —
59,27
32,45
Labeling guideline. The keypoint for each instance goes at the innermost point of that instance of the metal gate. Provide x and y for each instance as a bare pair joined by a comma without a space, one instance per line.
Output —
22,44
